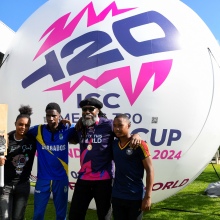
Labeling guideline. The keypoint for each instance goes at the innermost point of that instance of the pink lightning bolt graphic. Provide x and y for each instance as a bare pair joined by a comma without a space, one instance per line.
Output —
160,70
59,31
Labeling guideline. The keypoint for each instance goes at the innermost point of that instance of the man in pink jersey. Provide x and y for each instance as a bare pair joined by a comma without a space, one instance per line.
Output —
95,136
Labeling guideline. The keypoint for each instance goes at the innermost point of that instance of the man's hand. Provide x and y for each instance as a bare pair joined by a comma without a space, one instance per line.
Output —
135,141
2,160
146,204
65,121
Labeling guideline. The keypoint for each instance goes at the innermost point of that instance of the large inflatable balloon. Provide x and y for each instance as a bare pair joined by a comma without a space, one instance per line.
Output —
154,60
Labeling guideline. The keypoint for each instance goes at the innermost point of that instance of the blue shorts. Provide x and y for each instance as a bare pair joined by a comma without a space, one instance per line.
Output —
43,189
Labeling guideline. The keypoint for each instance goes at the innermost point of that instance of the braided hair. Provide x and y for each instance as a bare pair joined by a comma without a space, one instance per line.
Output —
102,114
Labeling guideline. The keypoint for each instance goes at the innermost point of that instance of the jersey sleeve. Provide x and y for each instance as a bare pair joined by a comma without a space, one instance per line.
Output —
33,131
144,150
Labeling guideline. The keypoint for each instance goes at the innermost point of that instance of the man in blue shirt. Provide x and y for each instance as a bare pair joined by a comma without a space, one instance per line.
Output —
52,170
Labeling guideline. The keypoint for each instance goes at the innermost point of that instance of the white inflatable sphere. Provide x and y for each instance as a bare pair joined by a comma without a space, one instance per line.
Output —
155,60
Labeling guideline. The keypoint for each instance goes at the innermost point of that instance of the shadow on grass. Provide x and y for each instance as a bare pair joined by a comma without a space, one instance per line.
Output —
191,203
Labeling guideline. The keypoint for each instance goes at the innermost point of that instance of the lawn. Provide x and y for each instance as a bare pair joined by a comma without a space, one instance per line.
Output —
189,204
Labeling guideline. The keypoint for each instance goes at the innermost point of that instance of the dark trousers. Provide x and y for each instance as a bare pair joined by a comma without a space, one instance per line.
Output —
126,209
84,192
14,201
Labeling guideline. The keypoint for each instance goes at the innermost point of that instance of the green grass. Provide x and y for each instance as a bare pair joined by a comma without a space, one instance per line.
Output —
189,204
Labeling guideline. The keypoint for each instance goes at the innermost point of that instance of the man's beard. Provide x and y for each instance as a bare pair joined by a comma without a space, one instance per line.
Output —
89,122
